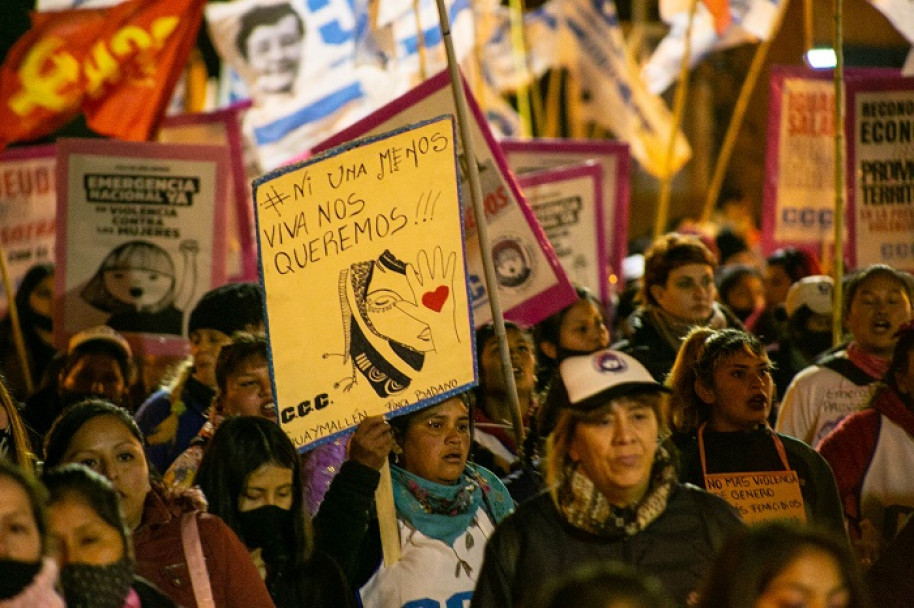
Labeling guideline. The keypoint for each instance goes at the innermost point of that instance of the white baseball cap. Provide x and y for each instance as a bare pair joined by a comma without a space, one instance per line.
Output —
606,374
815,292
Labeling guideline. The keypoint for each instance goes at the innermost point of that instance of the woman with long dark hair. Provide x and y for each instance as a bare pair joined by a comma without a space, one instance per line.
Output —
251,477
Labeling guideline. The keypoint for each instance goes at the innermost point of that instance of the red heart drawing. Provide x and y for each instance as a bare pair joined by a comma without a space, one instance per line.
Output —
435,299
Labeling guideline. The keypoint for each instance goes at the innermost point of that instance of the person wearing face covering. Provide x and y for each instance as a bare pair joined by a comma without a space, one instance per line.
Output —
190,555
809,329
92,544
27,576
251,477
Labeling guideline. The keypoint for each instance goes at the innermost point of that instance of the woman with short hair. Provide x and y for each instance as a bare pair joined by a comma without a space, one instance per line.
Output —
613,492
677,294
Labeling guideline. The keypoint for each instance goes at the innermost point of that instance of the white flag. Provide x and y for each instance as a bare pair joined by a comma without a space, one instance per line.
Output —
751,21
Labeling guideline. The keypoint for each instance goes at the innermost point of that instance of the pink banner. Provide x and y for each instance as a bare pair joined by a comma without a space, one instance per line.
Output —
879,127
141,236
531,282
799,191
568,202
614,160
27,210
224,127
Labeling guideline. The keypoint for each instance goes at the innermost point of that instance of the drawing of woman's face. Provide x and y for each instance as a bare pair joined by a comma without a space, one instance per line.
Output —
138,287
387,287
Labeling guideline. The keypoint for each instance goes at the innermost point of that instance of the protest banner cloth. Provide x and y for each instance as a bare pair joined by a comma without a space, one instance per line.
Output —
880,172
363,267
568,202
531,282
615,162
799,190
27,210
224,127
116,65
141,236
758,496
314,87
746,22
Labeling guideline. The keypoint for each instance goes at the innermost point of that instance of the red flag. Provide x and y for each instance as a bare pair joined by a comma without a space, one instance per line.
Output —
117,65
720,10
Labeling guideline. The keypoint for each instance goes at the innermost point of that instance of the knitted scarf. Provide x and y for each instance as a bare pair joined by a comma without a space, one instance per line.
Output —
584,507
674,330
444,512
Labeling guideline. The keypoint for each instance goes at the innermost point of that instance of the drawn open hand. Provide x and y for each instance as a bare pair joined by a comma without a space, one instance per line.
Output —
432,284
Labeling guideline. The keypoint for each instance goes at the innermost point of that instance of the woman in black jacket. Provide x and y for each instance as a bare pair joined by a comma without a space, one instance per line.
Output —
613,493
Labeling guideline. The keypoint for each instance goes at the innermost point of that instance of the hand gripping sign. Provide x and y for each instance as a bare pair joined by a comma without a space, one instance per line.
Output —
363,266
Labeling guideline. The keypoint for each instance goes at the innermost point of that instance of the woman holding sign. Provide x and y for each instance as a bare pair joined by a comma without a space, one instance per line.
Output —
722,393
446,508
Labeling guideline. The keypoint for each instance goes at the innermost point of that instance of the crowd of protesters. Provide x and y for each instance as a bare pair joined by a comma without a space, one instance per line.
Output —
704,374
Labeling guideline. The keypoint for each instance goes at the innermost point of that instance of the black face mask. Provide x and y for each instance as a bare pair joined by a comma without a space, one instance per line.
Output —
87,586
269,528
41,321
16,576
812,343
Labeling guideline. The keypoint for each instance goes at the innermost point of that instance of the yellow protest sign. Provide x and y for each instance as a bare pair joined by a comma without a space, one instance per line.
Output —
364,274
760,496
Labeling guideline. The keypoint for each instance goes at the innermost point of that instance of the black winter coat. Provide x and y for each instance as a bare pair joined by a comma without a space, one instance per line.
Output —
535,544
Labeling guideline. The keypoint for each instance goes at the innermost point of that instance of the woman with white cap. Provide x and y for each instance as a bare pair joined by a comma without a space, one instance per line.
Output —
613,492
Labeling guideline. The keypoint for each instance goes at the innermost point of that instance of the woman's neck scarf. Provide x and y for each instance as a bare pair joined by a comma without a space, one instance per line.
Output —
445,512
586,508
875,366
674,330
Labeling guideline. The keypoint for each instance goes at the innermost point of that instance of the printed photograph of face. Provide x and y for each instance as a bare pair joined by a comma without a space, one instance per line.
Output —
272,39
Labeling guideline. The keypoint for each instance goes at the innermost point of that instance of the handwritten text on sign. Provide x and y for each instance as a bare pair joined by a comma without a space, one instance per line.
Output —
365,281
760,496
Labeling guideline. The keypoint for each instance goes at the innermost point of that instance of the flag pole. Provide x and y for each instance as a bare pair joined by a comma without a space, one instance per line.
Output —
387,517
666,185
739,113
840,152
18,340
466,137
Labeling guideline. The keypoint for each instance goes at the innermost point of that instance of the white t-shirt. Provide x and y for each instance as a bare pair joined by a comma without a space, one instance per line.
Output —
818,399
429,573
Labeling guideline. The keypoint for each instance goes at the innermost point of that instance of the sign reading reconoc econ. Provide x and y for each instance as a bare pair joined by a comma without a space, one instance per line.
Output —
364,272
880,128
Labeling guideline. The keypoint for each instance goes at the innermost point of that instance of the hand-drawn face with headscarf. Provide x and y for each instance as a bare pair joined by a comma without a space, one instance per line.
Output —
394,314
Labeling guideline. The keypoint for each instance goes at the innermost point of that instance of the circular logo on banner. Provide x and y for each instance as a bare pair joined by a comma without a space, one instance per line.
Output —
513,263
